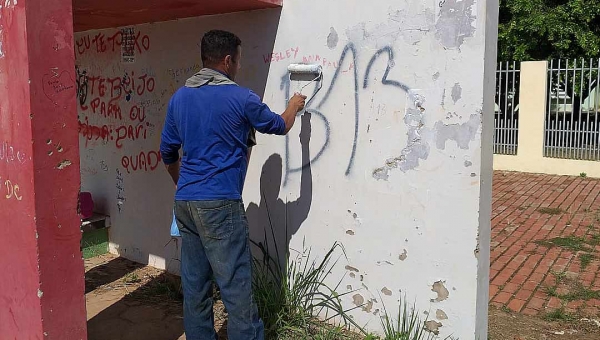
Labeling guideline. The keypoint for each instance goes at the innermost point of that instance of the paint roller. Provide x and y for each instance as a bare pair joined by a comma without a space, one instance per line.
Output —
305,72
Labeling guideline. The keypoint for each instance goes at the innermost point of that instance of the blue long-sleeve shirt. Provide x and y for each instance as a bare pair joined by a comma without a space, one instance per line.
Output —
211,124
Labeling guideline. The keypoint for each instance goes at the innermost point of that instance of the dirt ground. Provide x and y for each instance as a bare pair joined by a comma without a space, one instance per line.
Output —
127,301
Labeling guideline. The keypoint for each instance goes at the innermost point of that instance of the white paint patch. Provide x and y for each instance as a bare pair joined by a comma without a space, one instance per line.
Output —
2,54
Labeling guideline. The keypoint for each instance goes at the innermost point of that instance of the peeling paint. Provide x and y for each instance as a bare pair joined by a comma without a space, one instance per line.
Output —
332,39
435,76
441,315
368,307
386,291
468,164
455,22
417,148
402,23
403,256
433,326
462,134
413,28
358,300
350,232
352,275
349,287
456,92
442,292
40,293
63,164
352,269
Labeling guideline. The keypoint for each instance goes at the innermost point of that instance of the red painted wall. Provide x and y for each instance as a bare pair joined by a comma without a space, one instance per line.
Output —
96,14
20,314
42,281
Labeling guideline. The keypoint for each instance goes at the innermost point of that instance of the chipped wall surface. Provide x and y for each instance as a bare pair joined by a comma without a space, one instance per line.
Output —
389,164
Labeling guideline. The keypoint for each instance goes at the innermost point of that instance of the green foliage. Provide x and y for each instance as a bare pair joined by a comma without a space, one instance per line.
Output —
291,300
548,29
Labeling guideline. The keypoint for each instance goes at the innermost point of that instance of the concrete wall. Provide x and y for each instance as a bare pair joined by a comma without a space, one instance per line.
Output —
397,171
532,114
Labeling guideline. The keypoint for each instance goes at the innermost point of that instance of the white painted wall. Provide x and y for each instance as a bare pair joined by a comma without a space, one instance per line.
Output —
407,204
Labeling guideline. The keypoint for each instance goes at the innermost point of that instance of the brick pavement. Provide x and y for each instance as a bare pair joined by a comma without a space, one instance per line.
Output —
545,252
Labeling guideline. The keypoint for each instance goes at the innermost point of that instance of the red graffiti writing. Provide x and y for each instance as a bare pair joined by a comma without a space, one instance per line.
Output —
119,134
106,110
311,59
115,88
137,114
101,43
130,132
141,162
93,132
283,55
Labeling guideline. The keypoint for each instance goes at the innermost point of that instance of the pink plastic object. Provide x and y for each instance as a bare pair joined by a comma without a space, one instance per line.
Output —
86,205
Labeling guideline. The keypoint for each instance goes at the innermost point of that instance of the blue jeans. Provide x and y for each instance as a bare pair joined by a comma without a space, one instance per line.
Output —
215,244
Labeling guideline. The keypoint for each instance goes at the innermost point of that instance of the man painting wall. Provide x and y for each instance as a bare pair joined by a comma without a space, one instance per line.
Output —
211,119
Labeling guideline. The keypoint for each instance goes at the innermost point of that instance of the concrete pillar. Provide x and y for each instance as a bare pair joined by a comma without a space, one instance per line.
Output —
42,281
532,108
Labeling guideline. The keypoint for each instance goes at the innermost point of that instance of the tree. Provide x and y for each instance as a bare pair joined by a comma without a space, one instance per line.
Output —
548,29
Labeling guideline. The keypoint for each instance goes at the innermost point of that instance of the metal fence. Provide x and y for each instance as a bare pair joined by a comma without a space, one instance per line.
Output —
572,110
506,115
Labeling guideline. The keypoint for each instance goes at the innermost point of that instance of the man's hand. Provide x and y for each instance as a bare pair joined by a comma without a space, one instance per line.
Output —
295,105
297,102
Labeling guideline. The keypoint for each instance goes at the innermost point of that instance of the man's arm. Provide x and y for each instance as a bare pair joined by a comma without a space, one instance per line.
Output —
170,144
173,170
266,121
251,142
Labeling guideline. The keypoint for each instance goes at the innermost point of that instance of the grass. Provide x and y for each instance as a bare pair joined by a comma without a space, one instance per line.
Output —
579,292
550,211
583,175
560,277
570,242
586,259
132,278
162,287
558,315
290,300
407,325
551,291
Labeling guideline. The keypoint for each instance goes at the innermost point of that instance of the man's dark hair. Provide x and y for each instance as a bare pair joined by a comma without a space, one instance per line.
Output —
217,44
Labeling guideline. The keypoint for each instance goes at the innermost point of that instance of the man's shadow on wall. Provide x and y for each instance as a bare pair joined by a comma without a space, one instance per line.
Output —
273,222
